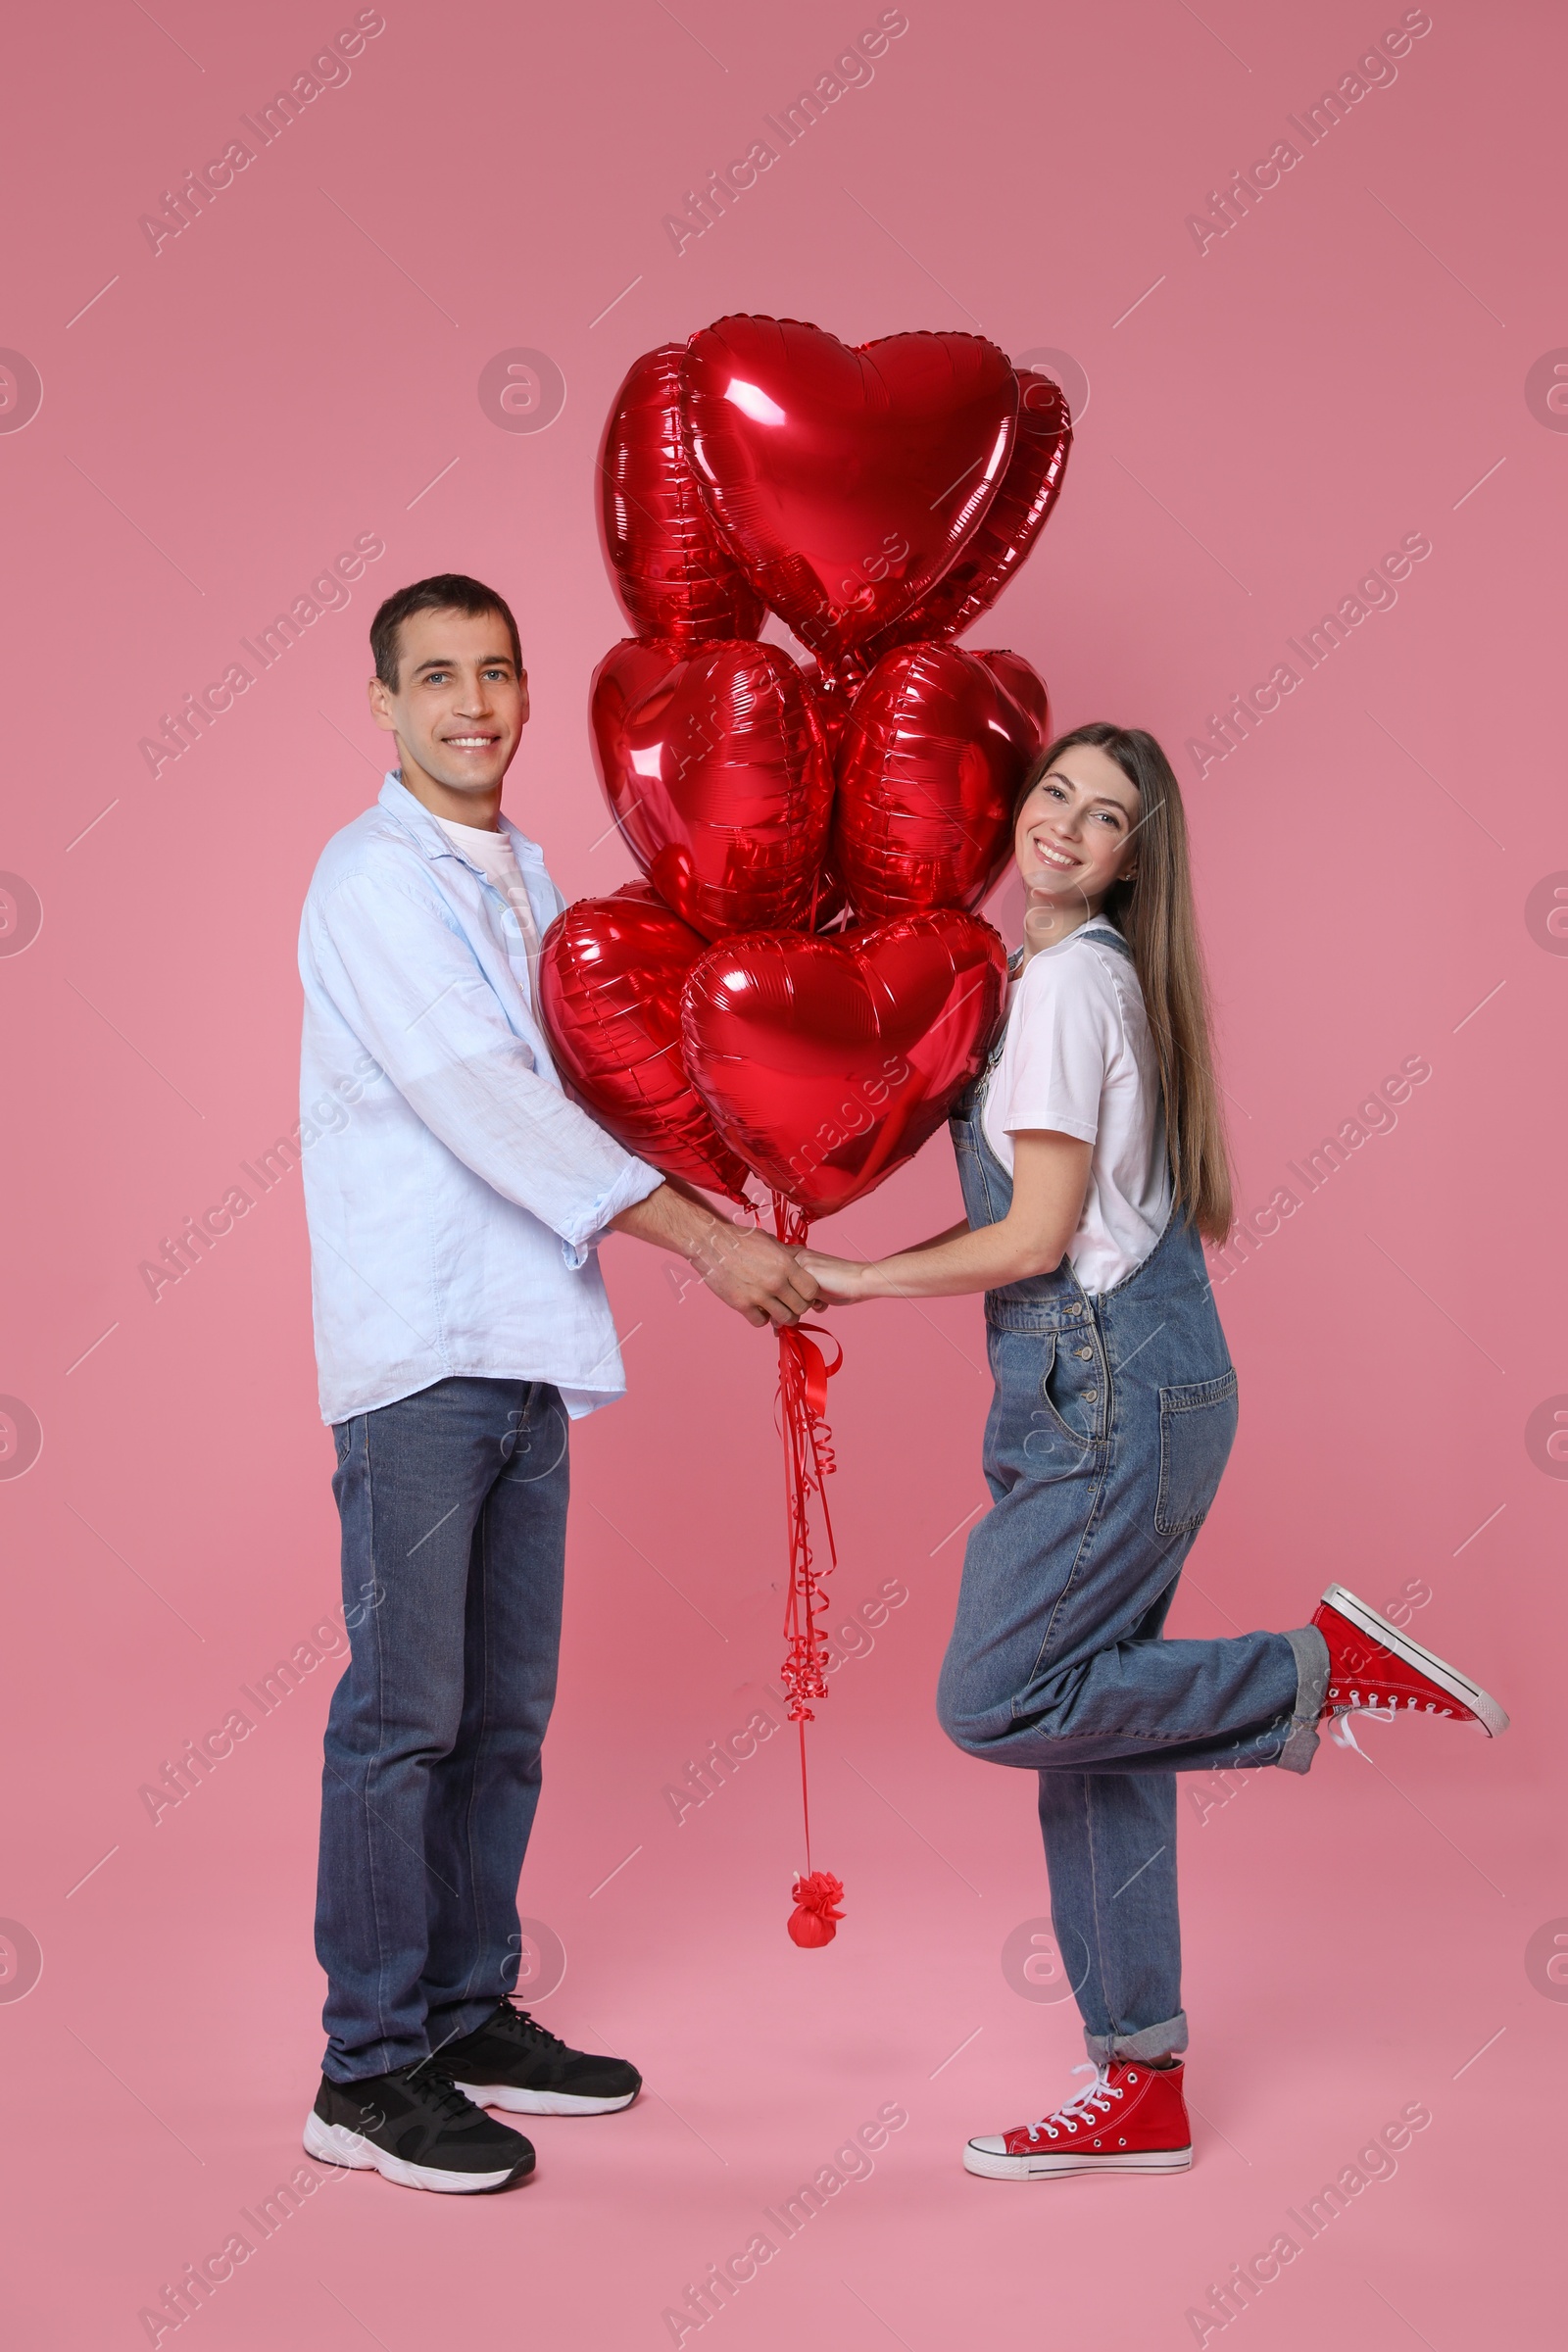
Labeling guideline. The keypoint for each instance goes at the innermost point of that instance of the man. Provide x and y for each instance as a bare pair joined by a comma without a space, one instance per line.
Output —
460,1323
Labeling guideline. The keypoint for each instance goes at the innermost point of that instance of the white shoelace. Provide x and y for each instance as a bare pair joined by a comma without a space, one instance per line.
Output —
1343,1733
1087,2108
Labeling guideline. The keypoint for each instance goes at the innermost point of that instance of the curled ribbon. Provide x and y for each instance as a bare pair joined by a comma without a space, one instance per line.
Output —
804,1372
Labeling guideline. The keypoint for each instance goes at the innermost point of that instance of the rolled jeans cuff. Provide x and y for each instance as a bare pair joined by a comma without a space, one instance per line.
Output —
1312,1688
1153,2041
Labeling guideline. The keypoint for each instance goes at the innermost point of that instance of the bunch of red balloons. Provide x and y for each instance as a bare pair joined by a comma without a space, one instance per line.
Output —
802,985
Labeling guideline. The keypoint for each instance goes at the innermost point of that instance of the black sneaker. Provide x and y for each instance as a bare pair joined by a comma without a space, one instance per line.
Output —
414,2127
512,2062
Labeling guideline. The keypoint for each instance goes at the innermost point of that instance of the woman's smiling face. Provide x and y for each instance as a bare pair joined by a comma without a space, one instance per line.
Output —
1073,838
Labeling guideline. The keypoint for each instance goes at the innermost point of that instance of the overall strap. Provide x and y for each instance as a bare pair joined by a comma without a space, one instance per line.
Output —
1101,928
1098,927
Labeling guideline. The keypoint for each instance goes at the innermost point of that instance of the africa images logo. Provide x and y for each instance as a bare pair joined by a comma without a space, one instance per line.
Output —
330,70
707,206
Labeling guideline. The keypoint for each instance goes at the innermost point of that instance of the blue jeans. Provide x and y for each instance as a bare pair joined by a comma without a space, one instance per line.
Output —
1109,1431
454,1513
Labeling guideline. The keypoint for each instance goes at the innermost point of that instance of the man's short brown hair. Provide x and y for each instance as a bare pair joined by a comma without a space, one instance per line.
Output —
443,592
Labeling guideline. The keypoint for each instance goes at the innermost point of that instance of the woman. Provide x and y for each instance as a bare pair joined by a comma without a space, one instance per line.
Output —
1091,1159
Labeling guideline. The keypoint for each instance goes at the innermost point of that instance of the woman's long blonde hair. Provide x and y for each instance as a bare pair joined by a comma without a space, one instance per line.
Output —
1154,914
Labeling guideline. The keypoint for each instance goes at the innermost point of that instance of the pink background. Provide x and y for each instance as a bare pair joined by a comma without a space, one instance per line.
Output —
298,367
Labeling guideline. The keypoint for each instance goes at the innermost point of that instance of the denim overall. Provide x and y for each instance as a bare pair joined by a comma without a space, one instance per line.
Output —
1110,1427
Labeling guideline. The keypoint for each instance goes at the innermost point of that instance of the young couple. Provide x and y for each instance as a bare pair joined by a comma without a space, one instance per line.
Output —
461,1324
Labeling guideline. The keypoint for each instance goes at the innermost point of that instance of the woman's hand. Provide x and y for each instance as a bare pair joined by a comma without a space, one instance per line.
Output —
840,1281
1051,1173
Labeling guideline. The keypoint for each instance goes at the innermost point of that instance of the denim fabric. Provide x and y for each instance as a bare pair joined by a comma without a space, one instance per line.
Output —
454,1514
1107,1435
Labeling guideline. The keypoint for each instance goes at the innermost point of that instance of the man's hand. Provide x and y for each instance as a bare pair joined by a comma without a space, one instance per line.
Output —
750,1271
754,1274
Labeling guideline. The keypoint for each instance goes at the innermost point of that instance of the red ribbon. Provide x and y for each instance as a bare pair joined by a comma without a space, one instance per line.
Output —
804,1372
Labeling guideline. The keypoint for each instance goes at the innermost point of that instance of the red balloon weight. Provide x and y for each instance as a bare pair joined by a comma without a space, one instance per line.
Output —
816,1918
610,973
827,1063
714,764
1009,526
845,480
672,571
928,770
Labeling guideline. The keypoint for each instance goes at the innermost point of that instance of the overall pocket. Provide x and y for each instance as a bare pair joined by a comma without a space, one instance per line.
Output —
1059,1402
1197,1427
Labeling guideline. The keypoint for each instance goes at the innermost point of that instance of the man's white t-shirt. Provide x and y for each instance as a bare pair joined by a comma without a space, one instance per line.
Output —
1077,1059
497,860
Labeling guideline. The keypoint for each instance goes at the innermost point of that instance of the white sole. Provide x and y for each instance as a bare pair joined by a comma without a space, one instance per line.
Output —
335,2143
539,2102
1055,2167
1492,1718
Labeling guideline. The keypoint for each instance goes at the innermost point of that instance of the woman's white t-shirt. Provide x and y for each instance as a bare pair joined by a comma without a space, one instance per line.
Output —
1077,1059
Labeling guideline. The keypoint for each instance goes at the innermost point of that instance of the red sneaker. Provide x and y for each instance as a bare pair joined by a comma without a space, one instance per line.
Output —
1133,2120
1372,1664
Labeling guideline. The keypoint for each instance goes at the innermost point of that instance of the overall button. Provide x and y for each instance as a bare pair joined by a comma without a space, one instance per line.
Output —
1083,1351
1090,1395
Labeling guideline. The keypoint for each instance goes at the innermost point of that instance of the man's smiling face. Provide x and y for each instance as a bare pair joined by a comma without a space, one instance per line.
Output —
460,705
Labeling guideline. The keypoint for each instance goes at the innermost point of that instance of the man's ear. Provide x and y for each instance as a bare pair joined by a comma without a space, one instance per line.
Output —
380,698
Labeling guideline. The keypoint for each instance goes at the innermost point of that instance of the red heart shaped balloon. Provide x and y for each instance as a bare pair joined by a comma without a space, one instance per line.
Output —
846,481
1022,681
714,764
671,569
610,974
826,1064
929,767
1009,527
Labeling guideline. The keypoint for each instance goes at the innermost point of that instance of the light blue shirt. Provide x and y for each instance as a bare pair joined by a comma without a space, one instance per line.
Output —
454,1195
